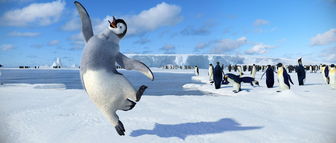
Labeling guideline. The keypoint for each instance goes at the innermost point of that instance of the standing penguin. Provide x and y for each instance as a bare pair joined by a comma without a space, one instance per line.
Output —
210,73
240,70
332,76
269,76
283,77
254,70
218,76
325,73
196,70
301,72
106,87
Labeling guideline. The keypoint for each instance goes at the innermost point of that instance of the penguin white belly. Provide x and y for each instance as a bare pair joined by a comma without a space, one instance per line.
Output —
332,77
210,75
253,73
236,86
282,84
108,90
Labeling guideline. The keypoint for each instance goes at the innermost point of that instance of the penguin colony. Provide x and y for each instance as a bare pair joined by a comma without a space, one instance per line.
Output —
282,73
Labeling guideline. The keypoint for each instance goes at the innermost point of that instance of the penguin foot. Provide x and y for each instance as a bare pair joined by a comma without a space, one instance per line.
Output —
120,128
140,91
235,91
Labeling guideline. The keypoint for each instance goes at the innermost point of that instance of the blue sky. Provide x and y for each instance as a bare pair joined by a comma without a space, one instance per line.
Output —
35,32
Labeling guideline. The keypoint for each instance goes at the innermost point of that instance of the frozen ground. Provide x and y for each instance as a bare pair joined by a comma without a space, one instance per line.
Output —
47,113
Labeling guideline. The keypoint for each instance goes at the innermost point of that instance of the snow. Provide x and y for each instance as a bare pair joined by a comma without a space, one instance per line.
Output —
40,113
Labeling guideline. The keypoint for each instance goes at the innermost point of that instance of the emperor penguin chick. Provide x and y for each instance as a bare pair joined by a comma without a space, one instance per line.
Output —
106,87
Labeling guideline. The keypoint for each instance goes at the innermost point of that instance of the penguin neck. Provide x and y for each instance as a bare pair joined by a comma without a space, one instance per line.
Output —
110,36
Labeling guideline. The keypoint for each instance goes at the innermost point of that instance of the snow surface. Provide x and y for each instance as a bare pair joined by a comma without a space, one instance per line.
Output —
37,113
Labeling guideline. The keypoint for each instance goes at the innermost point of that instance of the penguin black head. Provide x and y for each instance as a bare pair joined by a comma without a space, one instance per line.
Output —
118,26
279,65
300,60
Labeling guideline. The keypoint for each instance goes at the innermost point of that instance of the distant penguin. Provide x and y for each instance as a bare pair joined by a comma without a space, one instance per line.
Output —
283,77
325,73
332,76
240,70
196,70
106,87
254,70
301,72
269,76
210,73
217,74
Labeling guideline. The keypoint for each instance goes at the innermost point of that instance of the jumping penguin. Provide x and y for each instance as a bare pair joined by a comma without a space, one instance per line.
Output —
106,87
283,77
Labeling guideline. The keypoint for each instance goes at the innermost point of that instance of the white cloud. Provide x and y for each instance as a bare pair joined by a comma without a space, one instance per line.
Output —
53,42
161,15
168,49
73,24
40,13
225,45
23,34
6,47
329,54
200,31
260,22
258,49
200,46
324,38
21,1
142,41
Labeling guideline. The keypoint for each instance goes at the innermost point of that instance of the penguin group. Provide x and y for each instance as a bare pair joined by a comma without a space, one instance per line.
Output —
236,75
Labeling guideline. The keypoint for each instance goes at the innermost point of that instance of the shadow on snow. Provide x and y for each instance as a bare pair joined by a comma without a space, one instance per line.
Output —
198,128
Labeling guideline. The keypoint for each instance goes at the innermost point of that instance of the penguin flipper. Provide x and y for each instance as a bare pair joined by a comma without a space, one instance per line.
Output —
131,64
86,22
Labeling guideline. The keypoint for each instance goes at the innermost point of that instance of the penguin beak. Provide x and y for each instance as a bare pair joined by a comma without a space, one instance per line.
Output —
113,23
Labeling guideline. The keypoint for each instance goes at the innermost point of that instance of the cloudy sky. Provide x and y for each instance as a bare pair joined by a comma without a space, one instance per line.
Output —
35,32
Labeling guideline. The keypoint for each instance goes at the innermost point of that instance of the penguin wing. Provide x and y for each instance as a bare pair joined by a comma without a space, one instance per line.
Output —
86,22
131,64
290,79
